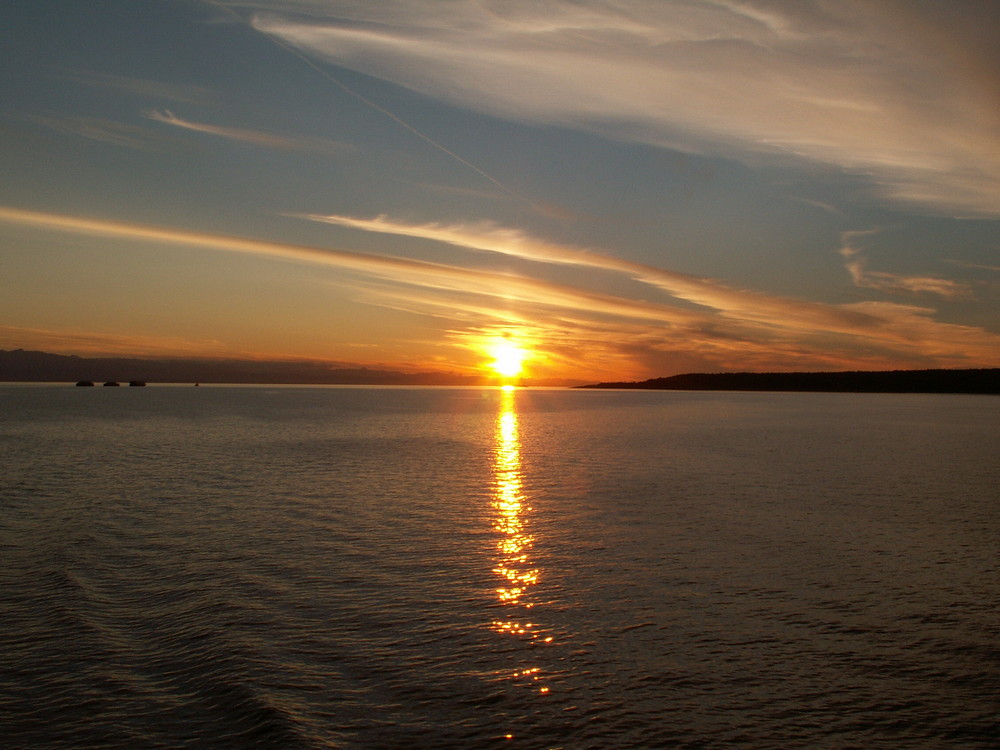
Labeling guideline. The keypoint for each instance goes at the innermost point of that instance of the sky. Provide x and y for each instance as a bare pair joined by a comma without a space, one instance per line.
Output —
604,190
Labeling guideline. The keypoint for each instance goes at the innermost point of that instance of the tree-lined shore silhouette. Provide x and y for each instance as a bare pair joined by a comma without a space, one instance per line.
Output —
889,381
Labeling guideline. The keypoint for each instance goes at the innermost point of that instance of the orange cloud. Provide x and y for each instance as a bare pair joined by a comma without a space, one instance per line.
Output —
739,329
591,331
739,305
91,343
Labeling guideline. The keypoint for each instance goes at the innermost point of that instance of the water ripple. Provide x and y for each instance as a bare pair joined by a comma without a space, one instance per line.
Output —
349,568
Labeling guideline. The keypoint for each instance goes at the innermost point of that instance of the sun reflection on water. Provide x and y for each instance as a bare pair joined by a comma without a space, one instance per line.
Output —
515,567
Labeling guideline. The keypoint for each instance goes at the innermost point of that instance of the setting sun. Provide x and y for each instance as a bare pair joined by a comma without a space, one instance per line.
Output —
508,358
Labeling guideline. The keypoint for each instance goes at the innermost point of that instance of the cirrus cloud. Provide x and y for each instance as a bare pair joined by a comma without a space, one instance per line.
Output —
857,266
249,137
727,328
904,93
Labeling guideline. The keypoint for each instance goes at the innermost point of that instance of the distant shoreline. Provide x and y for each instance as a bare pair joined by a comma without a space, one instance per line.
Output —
21,366
34,366
983,381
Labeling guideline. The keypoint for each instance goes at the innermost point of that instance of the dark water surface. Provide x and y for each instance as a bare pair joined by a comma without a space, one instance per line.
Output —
460,568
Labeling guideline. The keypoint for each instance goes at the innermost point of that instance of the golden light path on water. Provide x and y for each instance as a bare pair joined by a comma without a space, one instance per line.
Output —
515,567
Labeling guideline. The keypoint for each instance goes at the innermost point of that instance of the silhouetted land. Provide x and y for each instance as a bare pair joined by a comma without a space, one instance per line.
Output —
20,365
894,381
29,366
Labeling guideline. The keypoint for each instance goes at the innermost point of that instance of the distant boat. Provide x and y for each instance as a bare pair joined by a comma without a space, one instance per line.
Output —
86,384
137,383
111,383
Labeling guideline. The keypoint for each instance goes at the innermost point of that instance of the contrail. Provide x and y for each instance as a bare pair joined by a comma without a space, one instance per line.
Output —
377,107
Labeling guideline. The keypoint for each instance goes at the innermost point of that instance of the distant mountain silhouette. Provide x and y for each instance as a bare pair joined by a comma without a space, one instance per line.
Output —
894,381
31,366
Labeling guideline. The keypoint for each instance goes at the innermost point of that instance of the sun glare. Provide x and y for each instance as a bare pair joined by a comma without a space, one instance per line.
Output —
508,358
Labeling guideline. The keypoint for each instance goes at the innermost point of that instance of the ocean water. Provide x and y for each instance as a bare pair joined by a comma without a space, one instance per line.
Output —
278,567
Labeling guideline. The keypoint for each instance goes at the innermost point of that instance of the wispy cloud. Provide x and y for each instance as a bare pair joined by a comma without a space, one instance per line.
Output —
921,338
251,137
857,266
104,130
902,92
511,288
613,334
978,266
734,303
143,87
105,344
737,327
829,208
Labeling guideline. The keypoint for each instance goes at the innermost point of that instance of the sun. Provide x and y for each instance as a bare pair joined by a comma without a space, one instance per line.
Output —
508,358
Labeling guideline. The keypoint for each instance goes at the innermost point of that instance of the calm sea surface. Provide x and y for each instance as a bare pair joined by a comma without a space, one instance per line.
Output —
239,567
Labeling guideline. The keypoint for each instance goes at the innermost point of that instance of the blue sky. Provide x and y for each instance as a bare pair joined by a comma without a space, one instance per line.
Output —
623,189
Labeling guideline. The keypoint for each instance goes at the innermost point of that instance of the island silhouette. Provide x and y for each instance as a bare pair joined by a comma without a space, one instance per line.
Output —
888,381
20,365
